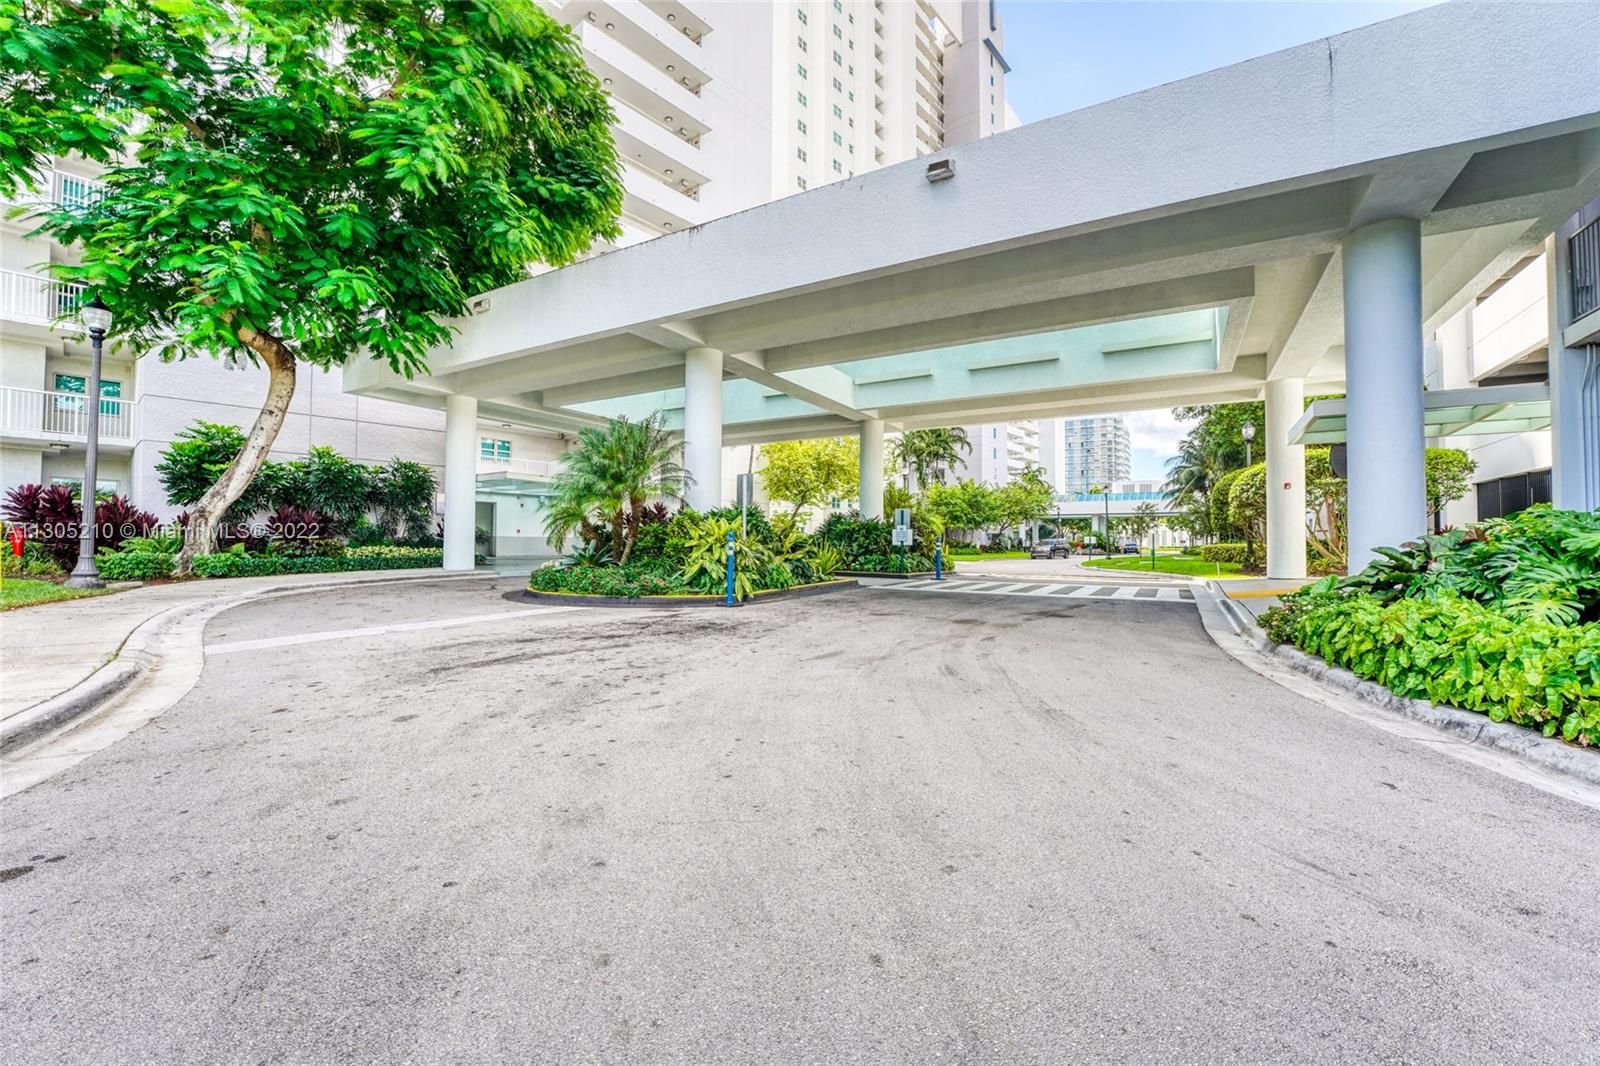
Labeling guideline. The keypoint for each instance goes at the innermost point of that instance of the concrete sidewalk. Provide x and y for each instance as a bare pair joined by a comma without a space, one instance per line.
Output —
49,649
1257,594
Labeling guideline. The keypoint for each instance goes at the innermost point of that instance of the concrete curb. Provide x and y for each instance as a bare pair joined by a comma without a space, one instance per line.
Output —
142,650
1471,726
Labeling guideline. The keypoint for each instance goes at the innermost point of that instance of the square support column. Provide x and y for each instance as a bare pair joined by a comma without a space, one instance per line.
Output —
1286,482
872,468
702,426
460,481
1383,386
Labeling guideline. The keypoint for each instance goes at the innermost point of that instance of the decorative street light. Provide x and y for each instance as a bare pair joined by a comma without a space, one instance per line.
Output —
97,320
1249,434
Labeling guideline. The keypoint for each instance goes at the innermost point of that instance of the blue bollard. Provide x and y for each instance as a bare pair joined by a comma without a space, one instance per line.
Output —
938,559
729,601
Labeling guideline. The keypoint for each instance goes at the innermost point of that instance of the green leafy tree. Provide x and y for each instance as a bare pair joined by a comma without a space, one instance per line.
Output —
324,481
1447,473
304,181
805,473
927,453
967,505
1143,521
610,477
1021,500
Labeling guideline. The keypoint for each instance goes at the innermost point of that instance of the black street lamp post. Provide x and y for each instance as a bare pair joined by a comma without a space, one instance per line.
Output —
97,320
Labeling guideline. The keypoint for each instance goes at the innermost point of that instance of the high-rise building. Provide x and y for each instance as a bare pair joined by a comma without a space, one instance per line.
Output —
1081,454
719,108
1000,452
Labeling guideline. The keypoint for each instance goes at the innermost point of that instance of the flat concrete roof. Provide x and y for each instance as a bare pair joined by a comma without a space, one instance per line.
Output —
1026,285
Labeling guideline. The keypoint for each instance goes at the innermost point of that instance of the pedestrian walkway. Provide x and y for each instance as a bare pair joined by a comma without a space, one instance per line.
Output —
1145,592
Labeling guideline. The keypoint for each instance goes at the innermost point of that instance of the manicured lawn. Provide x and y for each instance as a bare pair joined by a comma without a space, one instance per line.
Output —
25,592
1188,565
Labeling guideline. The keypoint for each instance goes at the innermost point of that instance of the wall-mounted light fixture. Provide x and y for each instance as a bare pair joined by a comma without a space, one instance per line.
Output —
941,170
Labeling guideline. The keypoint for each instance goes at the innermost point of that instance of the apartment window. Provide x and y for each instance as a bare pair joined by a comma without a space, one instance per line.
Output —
991,81
837,32
497,450
800,124
838,86
73,383
838,112
102,487
801,41
852,149
801,69
838,139
851,96
837,167
851,70
851,122
801,97
800,154
838,60
994,453
802,14
837,6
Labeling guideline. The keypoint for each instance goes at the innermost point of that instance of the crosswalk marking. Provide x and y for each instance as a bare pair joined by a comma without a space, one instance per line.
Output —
1119,591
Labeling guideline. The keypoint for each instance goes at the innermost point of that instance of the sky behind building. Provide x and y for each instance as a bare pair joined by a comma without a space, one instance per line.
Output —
1065,56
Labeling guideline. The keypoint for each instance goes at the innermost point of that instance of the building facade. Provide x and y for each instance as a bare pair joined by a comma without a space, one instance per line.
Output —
1083,454
719,108
1503,336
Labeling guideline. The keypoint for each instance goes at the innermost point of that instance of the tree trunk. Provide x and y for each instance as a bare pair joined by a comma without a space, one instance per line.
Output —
200,537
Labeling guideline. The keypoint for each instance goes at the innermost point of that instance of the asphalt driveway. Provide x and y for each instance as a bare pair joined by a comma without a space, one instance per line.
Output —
878,827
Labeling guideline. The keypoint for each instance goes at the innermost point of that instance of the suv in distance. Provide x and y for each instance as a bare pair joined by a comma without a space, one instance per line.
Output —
1050,549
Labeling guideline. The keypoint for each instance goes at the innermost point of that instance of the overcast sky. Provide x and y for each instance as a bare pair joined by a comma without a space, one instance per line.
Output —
1065,56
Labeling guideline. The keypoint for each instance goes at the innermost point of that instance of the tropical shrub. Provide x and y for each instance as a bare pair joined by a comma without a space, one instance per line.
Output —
382,557
706,567
629,581
1457,651
825,560
134,565
403,495
856,537
35,561
895,563
778,576
51,516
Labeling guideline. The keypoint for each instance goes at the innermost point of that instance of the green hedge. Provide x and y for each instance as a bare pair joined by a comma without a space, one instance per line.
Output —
1221,553
629,582
1461,653
133,565
381,557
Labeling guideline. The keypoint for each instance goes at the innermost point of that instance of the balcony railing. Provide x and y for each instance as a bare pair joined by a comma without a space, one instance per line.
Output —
1584,260
535,469
36,299
56,415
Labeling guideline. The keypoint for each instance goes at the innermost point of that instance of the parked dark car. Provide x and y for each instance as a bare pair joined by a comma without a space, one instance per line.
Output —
1050,549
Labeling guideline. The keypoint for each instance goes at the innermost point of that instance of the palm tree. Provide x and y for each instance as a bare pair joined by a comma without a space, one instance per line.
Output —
924,452
612,476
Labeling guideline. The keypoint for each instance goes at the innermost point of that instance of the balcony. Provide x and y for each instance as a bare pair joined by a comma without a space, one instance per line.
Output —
71,191
643,87
650,36
35,299
1511,321
1584,259
648,201
63,417
646,145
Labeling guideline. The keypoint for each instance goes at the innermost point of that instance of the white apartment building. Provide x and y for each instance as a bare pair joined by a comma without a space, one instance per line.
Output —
1502,337
1081,454
720,107
1000,452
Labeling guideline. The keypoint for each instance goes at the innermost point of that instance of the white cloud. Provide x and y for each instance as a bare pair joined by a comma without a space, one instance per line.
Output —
1156,431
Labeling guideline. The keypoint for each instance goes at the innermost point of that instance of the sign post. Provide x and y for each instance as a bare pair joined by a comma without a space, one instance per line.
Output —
902,533
744,489
729,601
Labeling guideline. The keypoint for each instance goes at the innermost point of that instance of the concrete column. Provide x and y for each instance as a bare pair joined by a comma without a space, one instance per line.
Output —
1574,393
872,468
702,426
1286,482
460,480
1383,386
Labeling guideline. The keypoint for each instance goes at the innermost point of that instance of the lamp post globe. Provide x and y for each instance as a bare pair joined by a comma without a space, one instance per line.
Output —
1249,434
96,319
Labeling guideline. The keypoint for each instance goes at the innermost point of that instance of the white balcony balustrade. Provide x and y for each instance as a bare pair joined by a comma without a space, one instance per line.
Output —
45,414
519,469
36,299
